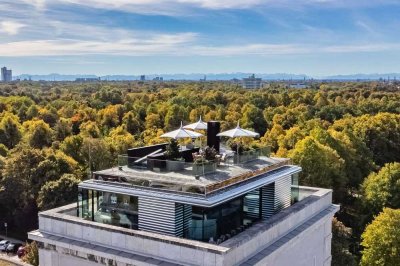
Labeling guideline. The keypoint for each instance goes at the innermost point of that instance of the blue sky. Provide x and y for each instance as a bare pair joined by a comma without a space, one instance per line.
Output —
313,37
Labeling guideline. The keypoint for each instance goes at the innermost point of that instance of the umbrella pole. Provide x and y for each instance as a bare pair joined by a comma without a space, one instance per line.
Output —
237,151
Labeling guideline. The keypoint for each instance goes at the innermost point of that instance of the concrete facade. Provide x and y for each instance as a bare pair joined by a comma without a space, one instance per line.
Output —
297,235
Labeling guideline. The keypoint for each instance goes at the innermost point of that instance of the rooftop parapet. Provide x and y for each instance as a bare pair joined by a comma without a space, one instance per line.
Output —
190,177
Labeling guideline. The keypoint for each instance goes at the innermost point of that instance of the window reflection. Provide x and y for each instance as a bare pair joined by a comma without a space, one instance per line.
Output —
224,221
108,208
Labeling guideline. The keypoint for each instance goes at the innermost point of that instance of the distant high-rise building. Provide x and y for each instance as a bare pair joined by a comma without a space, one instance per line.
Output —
251,82
142,78
6,74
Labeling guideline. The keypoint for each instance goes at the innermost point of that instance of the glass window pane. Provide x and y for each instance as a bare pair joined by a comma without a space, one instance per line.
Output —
116,209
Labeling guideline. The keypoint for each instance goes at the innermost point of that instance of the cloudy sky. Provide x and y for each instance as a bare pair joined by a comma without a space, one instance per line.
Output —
314,37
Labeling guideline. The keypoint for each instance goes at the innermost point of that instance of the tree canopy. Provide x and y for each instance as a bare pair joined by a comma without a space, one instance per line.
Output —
382,189
344,135
381,240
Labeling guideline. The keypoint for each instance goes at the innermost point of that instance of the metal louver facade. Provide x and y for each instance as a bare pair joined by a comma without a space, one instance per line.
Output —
183,215
252,203
275,196
157,215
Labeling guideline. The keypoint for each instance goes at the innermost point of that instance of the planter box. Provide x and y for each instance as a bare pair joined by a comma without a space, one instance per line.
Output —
174,166
209,167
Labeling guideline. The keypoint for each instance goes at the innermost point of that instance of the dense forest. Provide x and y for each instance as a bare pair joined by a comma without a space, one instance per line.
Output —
345,136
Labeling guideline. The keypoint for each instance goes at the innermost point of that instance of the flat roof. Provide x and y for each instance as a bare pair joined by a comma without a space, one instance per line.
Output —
203,200
184,180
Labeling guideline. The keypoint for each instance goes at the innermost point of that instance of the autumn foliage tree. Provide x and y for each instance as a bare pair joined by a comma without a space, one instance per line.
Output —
381,240
382,189
340,133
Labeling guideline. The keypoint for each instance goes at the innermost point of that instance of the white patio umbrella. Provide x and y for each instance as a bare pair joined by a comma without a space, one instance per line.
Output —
238,132
199,125
181,133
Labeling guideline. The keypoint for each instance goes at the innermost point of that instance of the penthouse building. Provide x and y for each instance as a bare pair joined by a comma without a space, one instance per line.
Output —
239,208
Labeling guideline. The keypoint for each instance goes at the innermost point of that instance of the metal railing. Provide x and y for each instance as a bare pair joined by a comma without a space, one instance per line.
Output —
243,177
179,166
159,174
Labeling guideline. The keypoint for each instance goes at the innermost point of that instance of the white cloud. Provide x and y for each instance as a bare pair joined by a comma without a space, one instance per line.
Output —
157,44
223,4
185,7
379,47
38,4
46,36
10,27
176,45
250,49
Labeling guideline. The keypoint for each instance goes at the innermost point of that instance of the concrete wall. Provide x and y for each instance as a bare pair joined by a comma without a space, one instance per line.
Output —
254,240
298,235
71,235
312,247
55,258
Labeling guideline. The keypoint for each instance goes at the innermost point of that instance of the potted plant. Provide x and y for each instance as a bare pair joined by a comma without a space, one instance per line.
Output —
174,160
206,162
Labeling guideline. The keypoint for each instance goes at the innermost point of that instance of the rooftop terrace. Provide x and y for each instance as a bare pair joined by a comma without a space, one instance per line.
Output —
191,177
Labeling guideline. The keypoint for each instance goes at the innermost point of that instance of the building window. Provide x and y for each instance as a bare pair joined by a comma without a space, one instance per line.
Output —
224,221
295,188
108,208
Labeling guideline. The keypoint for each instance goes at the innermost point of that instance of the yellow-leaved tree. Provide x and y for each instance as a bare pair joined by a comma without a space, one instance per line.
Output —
381,240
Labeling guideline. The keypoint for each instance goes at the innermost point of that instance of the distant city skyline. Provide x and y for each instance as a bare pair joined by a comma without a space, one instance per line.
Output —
310,37
206,76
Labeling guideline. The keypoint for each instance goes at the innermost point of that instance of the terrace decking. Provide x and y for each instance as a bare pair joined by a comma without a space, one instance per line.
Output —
184,180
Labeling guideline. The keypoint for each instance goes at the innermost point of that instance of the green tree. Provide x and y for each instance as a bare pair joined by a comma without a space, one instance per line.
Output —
19,185
341,236
31,254
381,134
109,117
27,169
153,121
253,118
322,166
132,123
3,150
32,112
381,240
10,133
59,192
63,129
120,141
382,189
90,129
96,154
38,133
172,150
49,115
175,115
72,147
